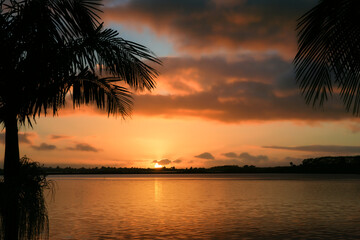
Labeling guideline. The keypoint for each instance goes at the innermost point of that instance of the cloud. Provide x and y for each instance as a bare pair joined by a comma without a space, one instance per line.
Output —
162,162
244,89
44,147
321,148
205,155
251,158
59,137
231,88
177,161
246,157
252,24
83,147
23,138
249,87
230,155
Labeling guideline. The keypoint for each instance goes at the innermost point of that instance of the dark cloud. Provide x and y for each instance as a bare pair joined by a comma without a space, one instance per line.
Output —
321,148
255,86
251,24
188,75
249,87
26,137
230,88
230,155
58,137
83,147
205,155
44,147
234,92
251,158
177,161
23,138
246,157
162,162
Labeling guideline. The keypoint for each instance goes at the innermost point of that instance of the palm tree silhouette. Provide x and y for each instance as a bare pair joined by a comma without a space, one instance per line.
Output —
50,48
329,53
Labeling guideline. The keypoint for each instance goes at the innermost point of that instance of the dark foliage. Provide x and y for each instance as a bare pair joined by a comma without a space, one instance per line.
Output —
329,52
23,211
52,47
52,50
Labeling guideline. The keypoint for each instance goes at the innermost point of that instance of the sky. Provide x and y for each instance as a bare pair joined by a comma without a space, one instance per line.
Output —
226,94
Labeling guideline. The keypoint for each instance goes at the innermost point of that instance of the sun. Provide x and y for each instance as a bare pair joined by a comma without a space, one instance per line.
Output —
158,165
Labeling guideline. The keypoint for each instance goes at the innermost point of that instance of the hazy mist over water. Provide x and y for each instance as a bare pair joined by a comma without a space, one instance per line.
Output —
201,206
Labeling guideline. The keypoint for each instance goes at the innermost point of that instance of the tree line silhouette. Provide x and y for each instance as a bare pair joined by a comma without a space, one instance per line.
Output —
340,164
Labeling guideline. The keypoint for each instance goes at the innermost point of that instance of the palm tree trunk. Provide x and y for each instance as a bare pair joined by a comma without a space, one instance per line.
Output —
12,155
10,213
11,171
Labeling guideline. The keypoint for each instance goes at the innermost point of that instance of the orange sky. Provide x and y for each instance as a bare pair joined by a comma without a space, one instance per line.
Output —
226,94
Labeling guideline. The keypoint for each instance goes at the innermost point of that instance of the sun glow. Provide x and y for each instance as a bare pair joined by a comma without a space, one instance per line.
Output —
158,165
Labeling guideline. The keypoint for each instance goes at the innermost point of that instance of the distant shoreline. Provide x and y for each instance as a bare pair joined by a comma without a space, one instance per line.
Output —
325,165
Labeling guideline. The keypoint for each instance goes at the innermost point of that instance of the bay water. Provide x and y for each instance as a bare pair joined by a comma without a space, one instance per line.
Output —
205,206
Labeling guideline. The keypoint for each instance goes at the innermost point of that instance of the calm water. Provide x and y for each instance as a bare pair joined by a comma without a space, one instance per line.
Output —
269,206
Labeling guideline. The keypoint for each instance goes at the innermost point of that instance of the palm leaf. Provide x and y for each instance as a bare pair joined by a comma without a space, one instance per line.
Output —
106,51
50,47
329,52
104,92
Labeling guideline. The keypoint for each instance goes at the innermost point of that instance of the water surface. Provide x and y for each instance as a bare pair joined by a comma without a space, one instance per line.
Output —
205,206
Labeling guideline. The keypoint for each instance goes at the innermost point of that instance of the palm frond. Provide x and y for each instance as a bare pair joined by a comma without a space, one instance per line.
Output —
106,51
329,52
51,46
74,18
104,92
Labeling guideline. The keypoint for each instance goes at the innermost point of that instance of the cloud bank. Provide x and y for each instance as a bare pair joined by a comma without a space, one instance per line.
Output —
205,155
165,162
246,157
44,147
245,89
83,147
252,24
340,149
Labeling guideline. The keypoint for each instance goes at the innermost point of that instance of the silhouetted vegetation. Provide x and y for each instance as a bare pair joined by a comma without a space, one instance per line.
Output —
328,53
345,164
331,165
51,48
23,211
